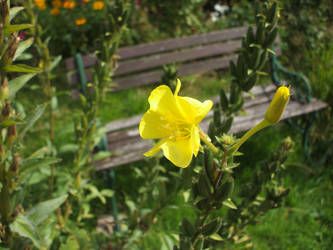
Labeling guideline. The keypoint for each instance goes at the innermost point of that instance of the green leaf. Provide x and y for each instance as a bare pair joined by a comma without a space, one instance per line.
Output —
55,62
8,29
10,121
14,11
271,51
31,119
71,244
43,210
187,227
24,227
29,166
107,192
23,46
229,203
216,237
22,68
212,227
17,83
224,101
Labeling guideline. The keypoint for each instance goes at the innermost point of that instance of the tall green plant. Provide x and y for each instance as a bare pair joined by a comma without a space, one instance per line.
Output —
76,179
15,166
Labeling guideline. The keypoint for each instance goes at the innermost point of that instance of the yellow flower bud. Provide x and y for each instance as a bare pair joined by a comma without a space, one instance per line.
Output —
273,115
277,106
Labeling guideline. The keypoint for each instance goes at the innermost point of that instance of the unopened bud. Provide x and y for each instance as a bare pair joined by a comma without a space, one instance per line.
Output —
2,152
4,12
5,111
15,164
288,144
3,90
1,29
77,181
277,106
11,135
13,42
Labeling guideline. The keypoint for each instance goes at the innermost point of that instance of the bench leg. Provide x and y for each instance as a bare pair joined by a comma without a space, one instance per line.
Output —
112,180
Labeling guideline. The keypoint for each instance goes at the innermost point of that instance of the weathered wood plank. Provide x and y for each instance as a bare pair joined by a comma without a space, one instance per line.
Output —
177,56
142,79
163,46
177,43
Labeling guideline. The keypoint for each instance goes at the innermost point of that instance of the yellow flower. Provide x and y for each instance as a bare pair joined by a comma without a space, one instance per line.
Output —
272,116
80,21
278,104
98,5
174,119
55,12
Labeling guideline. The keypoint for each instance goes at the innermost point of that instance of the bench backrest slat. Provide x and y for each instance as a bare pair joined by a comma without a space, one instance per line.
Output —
164,46
176,56
146,78
177,43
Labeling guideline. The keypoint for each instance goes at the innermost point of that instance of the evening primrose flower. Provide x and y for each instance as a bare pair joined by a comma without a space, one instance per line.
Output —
272,116
173,119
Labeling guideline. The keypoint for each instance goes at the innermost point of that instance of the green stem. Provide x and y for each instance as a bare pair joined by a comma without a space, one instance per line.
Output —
205,138
249,133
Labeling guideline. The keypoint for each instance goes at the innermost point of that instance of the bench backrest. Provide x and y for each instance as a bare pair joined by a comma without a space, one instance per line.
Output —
142,64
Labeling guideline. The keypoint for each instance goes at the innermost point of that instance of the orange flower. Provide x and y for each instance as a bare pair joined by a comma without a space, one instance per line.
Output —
40,4
55,12
86,1
69,5
98,5
80,21
56,3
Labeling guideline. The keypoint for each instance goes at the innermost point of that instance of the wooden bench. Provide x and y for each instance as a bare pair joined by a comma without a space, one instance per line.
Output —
142,65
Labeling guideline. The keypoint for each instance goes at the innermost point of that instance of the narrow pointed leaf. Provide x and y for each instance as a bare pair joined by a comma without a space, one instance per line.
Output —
31,119
43,210
23,46
17,83
22,68
25,228
55,62
8,29
229,203
29,166
14,11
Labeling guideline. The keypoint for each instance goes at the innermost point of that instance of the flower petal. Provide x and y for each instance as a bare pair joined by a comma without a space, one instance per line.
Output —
194,110
195,140
179,84
178,152
153,126
155,149
162,100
